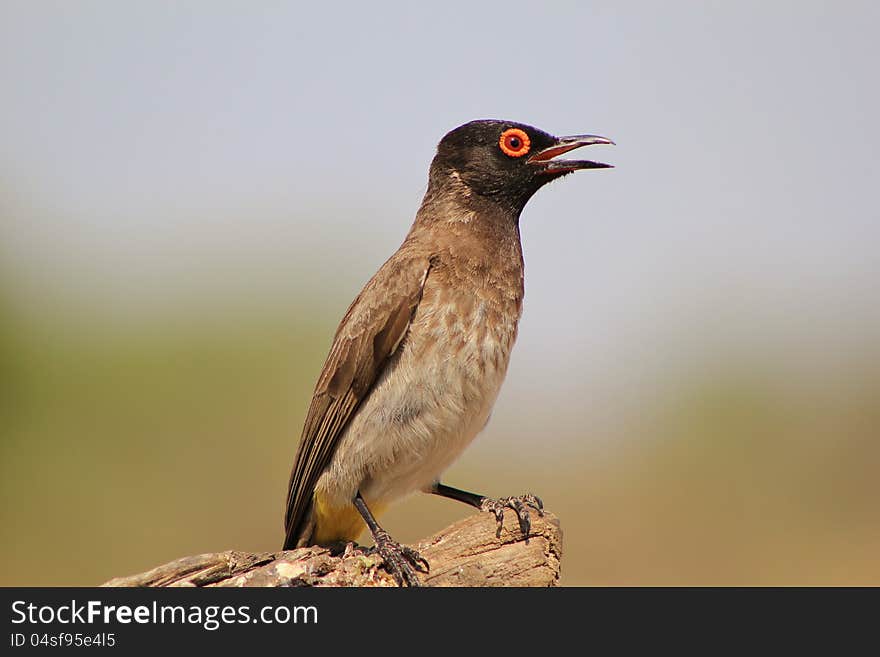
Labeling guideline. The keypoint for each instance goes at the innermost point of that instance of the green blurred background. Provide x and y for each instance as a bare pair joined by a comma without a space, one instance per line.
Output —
191,196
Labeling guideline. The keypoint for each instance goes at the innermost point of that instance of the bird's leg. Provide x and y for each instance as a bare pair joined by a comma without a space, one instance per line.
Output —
401,560
520,504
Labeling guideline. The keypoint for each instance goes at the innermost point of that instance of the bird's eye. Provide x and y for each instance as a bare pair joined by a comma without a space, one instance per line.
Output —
514,142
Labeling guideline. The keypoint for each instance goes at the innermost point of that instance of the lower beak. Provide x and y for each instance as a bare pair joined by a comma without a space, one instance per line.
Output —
544,158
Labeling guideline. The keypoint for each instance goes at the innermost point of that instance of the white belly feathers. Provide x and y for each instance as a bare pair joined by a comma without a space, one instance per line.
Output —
446,376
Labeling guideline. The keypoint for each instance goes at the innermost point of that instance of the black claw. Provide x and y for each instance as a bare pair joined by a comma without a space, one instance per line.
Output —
522,515
401,560
417,560
519,505
537,504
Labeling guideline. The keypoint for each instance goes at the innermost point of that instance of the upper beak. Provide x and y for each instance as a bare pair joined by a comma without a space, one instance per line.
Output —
545,160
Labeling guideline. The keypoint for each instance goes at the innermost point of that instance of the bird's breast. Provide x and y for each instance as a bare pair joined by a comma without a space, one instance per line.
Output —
468,329
437,392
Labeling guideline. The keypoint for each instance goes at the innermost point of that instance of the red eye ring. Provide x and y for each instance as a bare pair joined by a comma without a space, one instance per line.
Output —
514,142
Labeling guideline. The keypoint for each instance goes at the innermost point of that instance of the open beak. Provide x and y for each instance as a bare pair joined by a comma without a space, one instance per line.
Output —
544,158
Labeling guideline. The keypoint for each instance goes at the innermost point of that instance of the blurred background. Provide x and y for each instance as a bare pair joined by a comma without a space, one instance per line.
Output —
192,193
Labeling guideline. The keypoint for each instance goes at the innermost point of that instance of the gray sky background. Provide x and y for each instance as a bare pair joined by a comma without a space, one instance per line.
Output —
159,151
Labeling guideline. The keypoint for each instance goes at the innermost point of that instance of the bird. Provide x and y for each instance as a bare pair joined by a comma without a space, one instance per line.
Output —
419,357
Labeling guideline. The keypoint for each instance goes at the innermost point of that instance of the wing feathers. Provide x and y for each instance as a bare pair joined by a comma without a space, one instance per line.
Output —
369,334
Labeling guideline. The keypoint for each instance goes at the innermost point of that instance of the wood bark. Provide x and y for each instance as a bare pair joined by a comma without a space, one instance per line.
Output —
471,552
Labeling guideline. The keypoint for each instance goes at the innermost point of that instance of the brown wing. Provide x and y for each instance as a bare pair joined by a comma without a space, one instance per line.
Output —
368,335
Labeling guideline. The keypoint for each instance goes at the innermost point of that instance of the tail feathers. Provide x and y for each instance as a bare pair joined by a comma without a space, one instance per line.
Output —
298,531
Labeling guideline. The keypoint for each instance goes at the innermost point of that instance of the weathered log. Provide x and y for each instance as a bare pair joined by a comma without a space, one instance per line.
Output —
471,552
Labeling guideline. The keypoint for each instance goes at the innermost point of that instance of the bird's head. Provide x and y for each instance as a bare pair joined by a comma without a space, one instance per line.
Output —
506,162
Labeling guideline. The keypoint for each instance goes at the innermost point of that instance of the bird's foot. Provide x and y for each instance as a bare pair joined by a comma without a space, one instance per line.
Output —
401,560
520,504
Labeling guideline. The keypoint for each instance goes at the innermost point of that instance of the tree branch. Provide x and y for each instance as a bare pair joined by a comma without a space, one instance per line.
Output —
467,553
